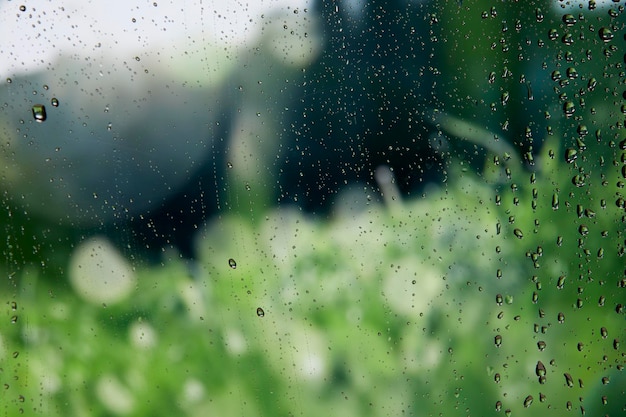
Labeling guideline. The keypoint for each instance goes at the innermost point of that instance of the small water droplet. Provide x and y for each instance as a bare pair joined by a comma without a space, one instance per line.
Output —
13,306
603,332
560,281
499,299
498,340
518,233
568,380
555,201
528,401
560,317
260,312
539,15
569,108
232,263
496,378
22,8
54,101
13,319
541,345
498,405
39,112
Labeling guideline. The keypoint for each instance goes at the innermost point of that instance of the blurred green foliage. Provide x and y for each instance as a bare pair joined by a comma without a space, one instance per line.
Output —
438,305
372,313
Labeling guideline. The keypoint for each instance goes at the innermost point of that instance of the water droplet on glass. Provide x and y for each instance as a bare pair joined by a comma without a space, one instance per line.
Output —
518,233
540,369
569,19
22,8
569,108
39,112
498,340
560,281
539,15
13,319
499,299
496,378
553,34
605,34
578,180
232,263
570,155
498,405
568,380
13,306
528,401
560,317
603,332
54,101
555,201
541,345
260,312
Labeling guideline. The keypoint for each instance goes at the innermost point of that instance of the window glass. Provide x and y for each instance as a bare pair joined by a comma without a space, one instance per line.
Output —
355,207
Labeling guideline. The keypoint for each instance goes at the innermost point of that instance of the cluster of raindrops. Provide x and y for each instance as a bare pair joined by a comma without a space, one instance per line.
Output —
582,41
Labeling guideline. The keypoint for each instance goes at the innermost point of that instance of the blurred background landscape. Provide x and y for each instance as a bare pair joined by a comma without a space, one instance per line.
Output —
294,208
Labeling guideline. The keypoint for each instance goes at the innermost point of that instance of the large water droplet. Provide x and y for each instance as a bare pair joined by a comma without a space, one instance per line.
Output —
540,369
570,155
528,401
39,112
569,19
605,34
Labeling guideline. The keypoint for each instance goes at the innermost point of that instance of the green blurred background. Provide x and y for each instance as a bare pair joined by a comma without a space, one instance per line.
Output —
442,301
